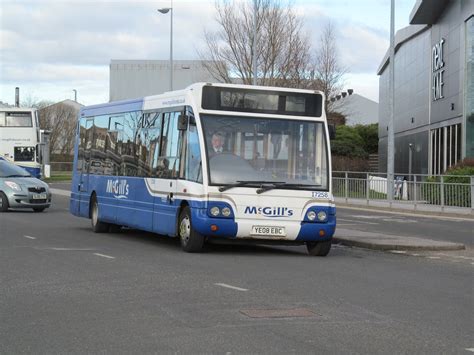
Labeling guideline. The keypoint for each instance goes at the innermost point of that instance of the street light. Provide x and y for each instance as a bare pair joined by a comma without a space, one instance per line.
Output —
165,10
75,94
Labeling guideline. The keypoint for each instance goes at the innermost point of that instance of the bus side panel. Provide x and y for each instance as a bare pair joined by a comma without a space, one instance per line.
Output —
143,205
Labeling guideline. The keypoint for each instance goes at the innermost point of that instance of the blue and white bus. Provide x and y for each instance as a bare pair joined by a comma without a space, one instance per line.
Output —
20,138
213,161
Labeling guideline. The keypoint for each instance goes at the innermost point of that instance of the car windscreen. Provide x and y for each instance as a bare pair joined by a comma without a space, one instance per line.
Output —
11,170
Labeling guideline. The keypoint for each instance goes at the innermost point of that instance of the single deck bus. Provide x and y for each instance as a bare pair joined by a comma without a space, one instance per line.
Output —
20,138
153,164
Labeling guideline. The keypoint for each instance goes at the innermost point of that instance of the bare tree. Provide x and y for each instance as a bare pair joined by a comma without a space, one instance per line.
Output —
60,119
328,73
283,51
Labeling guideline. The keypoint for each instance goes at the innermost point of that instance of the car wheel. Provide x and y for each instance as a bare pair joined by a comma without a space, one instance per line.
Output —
191,240
318,248
3,202
39,209
97,226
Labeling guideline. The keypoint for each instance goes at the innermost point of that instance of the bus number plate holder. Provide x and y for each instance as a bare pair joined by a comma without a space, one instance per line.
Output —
270,231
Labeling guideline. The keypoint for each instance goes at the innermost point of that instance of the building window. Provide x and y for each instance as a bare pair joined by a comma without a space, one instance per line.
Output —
445,148
470,87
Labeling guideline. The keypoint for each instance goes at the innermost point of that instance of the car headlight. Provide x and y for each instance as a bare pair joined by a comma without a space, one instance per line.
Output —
215,211
13,185
322,216
311,215
226,212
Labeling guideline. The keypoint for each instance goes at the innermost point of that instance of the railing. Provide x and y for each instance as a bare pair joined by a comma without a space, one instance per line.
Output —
442,191
60,166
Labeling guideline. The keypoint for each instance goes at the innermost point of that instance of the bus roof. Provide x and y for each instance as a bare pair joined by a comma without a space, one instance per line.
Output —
112,107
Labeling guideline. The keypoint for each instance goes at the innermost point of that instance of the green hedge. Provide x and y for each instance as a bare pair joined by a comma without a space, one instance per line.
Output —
454,194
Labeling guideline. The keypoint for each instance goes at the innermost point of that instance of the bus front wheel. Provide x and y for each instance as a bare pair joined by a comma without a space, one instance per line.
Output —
191,240
97,226
318,248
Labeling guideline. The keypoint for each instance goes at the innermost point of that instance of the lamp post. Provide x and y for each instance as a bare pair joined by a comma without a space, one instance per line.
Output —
165,10
254,43
75,94
391,139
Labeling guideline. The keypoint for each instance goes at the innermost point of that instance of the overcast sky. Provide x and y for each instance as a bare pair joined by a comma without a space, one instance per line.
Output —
50,47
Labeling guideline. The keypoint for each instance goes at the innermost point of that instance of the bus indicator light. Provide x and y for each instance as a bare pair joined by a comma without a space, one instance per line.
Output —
214,228
322,233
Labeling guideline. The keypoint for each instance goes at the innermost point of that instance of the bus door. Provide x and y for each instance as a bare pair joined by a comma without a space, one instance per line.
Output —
166,205
84,178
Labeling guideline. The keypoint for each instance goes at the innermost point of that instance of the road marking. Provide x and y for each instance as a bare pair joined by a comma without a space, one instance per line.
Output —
415,254
29,237
105,256
433,257
69,249
232,287
398,251
470,349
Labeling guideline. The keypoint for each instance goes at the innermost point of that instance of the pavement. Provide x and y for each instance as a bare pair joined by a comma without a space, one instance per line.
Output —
371,240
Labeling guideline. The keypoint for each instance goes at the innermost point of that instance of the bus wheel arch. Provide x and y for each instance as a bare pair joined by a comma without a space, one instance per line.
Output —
191,240
97,225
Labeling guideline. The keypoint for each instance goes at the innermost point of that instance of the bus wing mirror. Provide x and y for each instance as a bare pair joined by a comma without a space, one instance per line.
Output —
183,122
332,131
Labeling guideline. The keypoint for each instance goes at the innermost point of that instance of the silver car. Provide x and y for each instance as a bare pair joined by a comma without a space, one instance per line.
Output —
18,189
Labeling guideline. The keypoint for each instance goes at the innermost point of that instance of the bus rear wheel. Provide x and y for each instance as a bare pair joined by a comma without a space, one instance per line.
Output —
97,226
191,240
318,248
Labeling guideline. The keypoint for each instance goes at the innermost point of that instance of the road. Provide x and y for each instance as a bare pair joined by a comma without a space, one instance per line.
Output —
66,289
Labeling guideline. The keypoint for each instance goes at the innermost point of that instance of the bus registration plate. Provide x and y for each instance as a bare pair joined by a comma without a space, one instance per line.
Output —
269,231
39,196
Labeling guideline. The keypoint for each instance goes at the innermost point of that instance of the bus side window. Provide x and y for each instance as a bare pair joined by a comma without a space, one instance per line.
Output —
152,138
98,157
81,144
168,162
112,146
193,167
129,166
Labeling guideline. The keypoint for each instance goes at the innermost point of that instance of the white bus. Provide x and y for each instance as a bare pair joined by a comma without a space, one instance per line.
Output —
213,161
20,138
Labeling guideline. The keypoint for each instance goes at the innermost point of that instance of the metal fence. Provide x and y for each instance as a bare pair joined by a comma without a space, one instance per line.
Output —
443,190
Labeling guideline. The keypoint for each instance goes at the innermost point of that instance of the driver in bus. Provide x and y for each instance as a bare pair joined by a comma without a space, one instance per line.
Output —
217,144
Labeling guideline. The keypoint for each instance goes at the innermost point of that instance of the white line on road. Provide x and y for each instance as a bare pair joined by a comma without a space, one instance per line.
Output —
69,249
433,257
29,237
105,256
470,349
398,251
232,287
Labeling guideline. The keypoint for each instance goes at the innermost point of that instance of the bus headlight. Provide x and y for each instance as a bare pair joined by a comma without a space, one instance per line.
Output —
226,212
215,211
322,216
311,215
13,185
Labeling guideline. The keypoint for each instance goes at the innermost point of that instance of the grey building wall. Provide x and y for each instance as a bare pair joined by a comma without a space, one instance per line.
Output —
137,78
416,113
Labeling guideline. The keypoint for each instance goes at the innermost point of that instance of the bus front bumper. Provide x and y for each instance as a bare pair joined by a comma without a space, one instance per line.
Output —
294,231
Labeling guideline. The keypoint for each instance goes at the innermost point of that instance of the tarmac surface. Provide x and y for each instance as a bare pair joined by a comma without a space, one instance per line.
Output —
66,289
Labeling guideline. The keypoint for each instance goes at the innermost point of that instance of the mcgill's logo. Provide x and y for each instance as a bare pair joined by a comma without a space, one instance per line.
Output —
273,212
117,187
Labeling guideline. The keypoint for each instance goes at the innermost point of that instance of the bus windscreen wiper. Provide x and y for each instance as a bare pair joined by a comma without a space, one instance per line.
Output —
240,183
274,185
